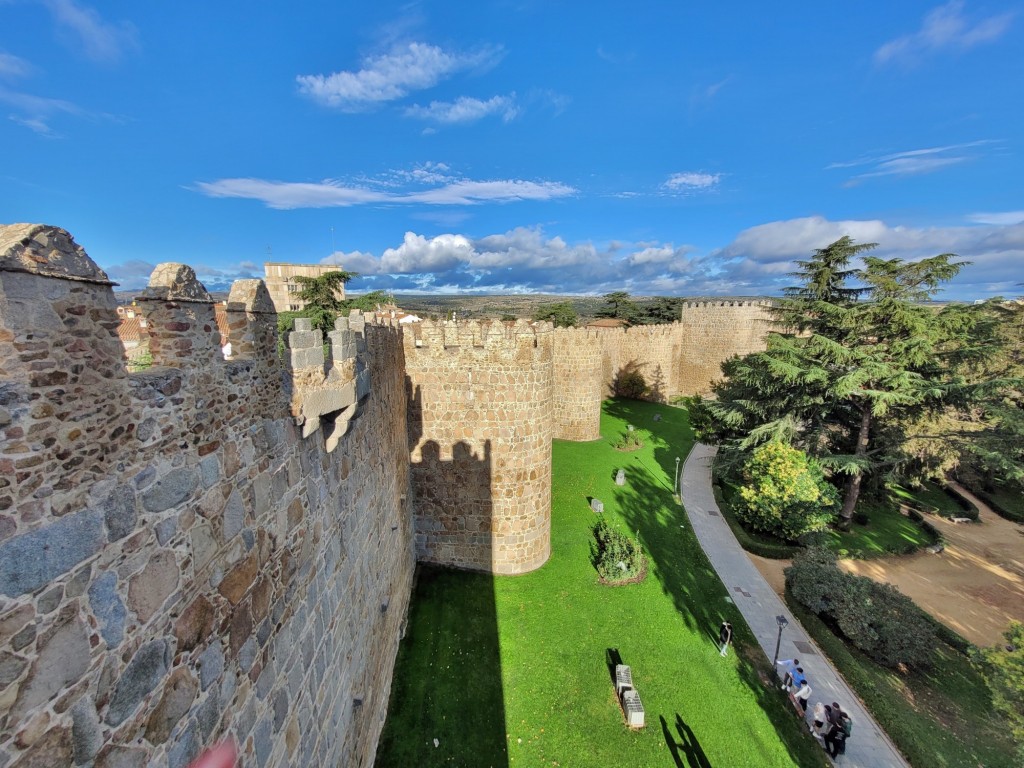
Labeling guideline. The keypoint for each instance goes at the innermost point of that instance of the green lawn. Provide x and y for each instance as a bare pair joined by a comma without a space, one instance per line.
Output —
887,532
508,671
930,497
939,718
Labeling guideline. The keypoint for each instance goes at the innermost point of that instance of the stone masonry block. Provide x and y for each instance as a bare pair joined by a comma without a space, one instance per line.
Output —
304,339
308,358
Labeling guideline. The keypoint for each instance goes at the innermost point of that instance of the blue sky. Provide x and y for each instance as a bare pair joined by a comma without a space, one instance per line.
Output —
671,148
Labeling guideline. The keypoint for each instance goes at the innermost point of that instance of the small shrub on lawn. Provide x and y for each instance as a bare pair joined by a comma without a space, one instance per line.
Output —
876,618
628,441
616,558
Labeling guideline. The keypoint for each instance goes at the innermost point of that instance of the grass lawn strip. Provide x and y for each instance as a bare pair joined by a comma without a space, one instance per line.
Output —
544,695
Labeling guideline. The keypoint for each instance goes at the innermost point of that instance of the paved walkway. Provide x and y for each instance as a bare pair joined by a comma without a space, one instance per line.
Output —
868,747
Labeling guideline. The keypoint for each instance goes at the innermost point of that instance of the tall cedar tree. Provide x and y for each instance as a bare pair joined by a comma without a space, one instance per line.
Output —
857,355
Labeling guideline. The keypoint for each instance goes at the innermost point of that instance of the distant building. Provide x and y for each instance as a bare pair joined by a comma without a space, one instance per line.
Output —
283,288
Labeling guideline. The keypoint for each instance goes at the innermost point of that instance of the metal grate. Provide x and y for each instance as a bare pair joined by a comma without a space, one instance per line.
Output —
805,648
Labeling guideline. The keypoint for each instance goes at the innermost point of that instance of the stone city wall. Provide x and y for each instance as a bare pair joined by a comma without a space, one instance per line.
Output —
480,427
579,385
177,564
714,331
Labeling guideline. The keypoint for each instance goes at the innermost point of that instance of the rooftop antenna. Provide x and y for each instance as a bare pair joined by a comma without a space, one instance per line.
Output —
332,239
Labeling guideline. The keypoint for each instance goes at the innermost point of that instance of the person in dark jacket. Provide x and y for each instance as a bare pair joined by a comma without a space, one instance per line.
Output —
724,637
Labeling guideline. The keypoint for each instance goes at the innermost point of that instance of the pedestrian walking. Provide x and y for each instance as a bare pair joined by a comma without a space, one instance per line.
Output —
724,637
789,666
839,728
802,696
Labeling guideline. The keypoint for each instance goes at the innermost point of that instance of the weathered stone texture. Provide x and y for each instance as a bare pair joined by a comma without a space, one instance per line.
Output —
153,524
480,430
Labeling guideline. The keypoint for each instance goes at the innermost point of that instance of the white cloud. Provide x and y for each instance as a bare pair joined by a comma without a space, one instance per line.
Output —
334,194
35,112
465,110
691,180
1002,218
100,40
912,162
762,257
12,66
943,29
391,76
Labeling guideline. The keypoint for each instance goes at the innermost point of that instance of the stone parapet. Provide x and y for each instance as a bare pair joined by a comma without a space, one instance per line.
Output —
177,564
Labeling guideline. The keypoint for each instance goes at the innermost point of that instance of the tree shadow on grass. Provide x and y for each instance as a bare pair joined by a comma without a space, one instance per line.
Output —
647,505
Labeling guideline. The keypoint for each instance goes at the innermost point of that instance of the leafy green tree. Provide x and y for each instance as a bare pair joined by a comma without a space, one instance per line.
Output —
562,314
660,309
785,493
322,291
1003,668
850,367
618,304
366,302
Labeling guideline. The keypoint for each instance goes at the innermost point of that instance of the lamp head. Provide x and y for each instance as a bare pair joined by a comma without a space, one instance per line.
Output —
782,621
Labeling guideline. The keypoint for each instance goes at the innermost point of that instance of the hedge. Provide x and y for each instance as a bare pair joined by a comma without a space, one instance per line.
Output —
754,545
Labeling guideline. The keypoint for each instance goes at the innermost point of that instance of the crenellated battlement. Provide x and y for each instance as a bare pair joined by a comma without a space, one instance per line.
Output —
721,303
492,335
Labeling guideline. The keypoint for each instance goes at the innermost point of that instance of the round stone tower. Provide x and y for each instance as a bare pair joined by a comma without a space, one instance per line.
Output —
480,400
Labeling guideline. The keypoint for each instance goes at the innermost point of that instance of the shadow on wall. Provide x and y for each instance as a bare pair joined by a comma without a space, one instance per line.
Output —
447,700
647,505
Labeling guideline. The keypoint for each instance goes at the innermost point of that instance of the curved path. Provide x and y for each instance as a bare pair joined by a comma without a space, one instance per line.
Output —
868,747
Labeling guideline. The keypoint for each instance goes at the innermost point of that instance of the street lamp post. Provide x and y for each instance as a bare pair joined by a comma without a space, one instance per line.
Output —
783,622
678,490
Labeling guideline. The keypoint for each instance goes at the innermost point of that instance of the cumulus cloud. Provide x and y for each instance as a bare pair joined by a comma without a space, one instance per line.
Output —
762,257
690,181
944,29
100,40
465,110
392,76
913,161
759,261
331,193
523,259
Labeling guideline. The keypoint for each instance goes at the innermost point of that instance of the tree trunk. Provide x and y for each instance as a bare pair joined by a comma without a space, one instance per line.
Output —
852,492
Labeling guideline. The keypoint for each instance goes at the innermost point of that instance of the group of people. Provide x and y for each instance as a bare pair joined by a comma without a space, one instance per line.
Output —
831,723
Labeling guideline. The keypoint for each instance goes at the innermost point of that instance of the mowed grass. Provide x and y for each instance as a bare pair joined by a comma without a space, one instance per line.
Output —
887,532
509,671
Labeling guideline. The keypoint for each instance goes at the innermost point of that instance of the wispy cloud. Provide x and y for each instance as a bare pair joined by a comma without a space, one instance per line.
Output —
12,66
465,110
332,193
392,76
944,29
911,162
691,181
35,112
1002,218
100,40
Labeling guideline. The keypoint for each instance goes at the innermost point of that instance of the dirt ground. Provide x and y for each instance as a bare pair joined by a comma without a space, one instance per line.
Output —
975,586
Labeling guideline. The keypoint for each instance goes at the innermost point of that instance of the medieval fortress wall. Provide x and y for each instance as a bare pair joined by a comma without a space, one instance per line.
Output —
213,549
480,436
